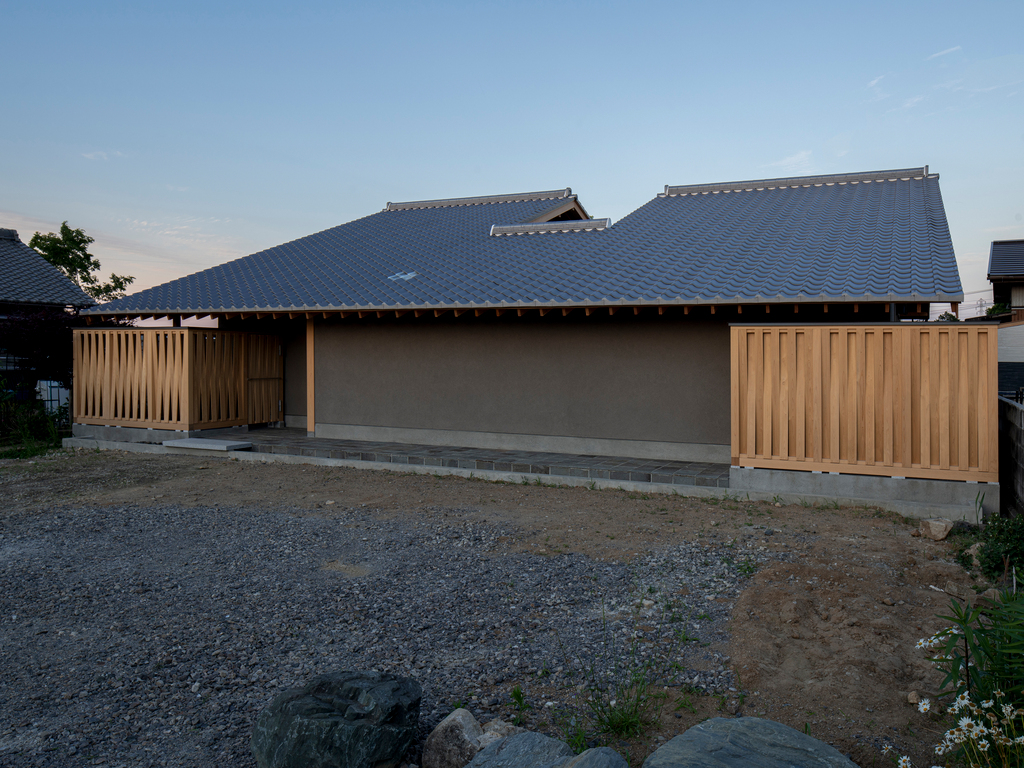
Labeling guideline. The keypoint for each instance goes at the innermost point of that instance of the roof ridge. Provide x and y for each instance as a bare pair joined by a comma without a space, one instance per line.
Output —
800,181
573,225
552,194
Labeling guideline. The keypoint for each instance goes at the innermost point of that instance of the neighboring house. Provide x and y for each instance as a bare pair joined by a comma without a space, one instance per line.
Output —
518,321
1006,273
29,284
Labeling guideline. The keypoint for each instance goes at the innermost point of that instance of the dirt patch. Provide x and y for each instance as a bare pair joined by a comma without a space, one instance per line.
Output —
823,642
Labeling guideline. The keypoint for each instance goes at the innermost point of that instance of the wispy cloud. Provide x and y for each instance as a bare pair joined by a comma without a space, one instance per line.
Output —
875,82
800,163
943,53
913,101
101,155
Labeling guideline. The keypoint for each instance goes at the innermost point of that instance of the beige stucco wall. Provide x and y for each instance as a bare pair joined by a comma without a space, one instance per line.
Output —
651,381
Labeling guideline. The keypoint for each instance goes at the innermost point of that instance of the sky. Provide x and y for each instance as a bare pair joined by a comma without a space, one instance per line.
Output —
182,135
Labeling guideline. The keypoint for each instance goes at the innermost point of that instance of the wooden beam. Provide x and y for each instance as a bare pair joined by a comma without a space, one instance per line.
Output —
88,319
293,315
887,309
362,314
458,312
826,308
477,312
796,309
767,309
325,315
544,311
712,309
856,307
520,312
588,310
439,312
636,310
400,312
739,309
566,311
419,312
310,380
611,310
955,306
499,312
919,309
661,310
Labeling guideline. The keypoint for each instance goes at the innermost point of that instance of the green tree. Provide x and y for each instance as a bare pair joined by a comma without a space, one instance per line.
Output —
69,252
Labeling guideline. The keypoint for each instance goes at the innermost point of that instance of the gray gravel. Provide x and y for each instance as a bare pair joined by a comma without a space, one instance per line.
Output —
153,636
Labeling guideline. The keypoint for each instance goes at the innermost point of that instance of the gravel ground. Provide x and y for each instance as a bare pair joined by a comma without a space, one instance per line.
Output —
154,635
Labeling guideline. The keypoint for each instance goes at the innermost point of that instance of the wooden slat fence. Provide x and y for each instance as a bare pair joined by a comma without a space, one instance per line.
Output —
901,400
176,378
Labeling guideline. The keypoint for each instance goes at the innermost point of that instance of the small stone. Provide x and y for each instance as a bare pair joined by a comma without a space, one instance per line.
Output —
936,529
913,697
888,601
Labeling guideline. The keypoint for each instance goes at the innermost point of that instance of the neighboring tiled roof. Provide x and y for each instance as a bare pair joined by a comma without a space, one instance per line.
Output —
862,237
1006,259
28,278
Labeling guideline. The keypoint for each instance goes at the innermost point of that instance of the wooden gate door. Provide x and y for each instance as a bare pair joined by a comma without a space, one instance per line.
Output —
265,379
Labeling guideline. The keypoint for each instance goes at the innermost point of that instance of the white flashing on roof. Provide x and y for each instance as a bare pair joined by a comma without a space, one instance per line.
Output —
403,276
900,174
553,194
580,225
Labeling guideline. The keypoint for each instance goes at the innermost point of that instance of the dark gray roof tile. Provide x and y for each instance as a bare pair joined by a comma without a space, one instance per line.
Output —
880,236
1006,259
28,278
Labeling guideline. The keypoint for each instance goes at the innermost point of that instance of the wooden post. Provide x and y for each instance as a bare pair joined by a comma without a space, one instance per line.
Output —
310,382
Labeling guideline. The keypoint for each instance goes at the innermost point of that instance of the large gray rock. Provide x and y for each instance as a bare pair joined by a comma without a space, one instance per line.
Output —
745,742
456,739
599,757
523,749
345,719
535,750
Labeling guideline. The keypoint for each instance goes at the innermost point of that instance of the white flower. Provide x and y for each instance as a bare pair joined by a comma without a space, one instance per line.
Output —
966,723
887,749
983,745
923,706
1007,711
904,762
987,703
1019,740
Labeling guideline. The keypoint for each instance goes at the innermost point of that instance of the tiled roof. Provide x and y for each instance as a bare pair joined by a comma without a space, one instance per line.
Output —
28,278
860,237
1006,259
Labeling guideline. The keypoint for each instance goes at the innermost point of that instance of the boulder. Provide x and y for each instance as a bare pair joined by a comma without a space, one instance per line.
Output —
522,749
745,742
344,719
600,757
936,529
539,751
456,739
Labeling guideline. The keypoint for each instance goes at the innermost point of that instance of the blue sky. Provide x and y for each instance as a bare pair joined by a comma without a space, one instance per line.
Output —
183,135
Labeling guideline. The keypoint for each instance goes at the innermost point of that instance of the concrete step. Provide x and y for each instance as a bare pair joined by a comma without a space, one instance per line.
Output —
208,444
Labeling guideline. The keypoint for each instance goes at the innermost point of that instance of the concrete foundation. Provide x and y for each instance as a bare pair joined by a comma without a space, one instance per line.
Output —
590,446
910,497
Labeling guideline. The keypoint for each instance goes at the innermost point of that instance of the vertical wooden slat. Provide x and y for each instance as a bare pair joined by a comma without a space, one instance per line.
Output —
785,420
734,395
801,365
943,411
818,371
310,379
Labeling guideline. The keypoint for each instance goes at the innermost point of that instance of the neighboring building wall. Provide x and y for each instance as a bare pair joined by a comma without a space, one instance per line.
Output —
1011,456
653,388
1011,357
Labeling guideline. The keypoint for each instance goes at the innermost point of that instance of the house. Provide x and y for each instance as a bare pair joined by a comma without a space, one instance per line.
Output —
519,321
32,292
1006,273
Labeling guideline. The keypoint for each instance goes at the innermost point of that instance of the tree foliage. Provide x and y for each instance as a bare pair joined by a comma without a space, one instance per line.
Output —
69,252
